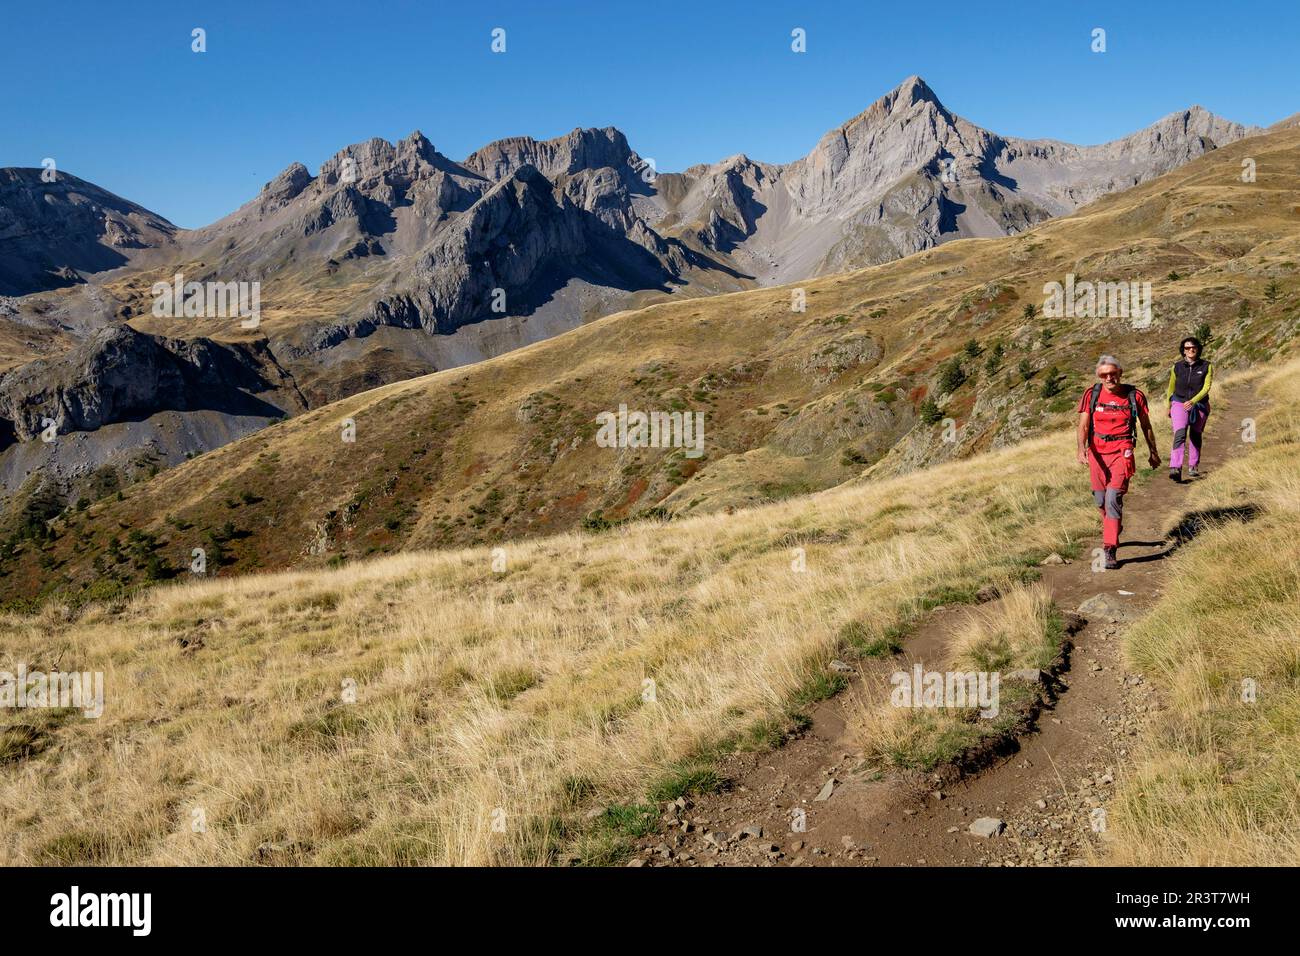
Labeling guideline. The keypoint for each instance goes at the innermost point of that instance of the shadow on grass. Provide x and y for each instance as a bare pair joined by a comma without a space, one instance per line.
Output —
1192,524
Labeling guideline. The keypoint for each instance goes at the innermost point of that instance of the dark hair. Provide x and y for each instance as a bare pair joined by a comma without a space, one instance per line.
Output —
1194,341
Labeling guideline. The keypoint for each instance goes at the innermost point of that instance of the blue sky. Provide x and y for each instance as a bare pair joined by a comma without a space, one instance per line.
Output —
113,92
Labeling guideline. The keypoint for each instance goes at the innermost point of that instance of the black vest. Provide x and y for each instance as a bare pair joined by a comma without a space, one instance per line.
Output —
1189,379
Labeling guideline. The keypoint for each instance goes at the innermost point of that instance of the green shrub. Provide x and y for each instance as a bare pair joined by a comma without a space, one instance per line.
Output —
1053,382
930,412
994,361
951,375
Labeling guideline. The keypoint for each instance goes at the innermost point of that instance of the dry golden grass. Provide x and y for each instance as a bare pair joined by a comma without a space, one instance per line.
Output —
1219,781
1020,630
1017,632
478,691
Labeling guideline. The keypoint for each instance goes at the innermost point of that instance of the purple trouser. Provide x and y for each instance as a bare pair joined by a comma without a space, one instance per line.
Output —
1187,425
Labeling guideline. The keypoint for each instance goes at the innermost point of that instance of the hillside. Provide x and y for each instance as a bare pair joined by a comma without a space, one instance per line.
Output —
479,689
532,705
793,401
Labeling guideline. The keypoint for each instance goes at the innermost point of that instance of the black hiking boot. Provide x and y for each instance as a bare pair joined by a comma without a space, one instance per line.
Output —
1112,560
1175,475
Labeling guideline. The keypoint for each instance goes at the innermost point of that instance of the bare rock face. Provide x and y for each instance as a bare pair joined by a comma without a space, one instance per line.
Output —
906,175
582,149
286,187
437,239
53,232
120,374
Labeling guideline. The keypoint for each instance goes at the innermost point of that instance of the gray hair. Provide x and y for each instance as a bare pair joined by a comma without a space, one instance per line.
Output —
1109,360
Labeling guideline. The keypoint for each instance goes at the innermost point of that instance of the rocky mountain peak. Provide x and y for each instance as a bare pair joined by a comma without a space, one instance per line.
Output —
377,161
911,90
285,187
417,146
562,156
899,103
51,232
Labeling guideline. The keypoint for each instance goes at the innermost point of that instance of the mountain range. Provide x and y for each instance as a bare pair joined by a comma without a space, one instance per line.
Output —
891,369
394,260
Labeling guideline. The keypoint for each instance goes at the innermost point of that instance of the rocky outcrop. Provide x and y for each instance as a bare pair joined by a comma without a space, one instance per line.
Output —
522,232
120,374
582,149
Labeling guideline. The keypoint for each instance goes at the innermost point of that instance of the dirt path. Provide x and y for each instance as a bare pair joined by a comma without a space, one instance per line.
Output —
1048,793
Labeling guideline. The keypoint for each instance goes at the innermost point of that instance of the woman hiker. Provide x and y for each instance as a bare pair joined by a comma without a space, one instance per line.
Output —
1188,395
1109,414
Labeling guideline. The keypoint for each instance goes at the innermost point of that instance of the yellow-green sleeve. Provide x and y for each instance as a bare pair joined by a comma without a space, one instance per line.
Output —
1173,377
1205,389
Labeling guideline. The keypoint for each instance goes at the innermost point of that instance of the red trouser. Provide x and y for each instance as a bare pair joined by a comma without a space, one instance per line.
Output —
1110,470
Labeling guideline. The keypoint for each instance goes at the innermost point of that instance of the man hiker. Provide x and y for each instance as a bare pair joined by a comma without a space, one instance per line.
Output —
1109,413
1188,395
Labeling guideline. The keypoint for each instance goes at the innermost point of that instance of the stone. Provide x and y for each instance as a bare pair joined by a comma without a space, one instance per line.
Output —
987,827
827,789
1105,607
1028,675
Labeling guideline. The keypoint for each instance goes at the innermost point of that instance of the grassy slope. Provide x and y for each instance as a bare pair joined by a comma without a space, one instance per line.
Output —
1219,781
794,402
520,687
478,689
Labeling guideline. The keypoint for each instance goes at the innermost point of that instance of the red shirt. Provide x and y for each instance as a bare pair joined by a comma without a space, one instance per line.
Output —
1112,417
